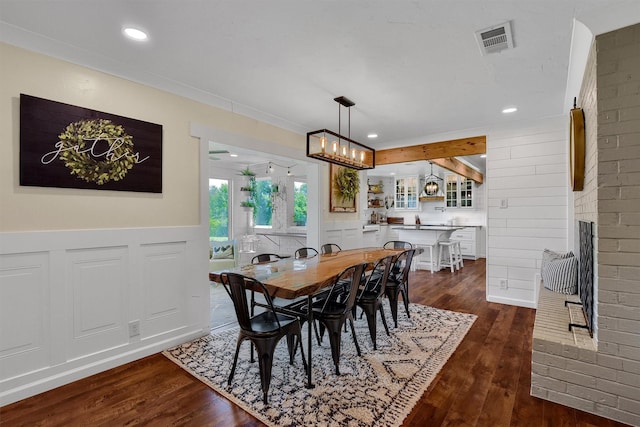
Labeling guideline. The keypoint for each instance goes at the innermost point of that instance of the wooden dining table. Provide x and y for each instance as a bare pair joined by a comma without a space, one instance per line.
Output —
293,278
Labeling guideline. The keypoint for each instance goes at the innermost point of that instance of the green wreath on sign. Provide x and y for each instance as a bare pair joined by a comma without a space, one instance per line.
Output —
97,151
347,182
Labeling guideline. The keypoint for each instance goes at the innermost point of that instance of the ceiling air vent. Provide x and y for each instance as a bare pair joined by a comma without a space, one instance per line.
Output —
494,39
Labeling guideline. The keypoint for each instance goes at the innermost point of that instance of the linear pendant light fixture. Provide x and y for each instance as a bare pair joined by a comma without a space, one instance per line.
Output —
334,148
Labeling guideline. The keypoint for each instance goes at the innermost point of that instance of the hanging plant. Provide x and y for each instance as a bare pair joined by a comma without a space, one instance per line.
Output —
347,182
247,172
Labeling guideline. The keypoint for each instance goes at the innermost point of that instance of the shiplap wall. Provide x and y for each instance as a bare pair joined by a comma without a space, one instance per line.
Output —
527,205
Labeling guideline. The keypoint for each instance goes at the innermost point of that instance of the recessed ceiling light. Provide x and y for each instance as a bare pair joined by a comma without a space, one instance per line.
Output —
372,135
509,110
233,155
483,156
392,173
135,34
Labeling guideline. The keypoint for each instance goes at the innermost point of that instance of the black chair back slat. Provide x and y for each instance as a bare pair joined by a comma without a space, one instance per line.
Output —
305,253
264,258
329,248
397,244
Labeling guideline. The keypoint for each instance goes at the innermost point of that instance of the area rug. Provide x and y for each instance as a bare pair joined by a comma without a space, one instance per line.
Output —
379,388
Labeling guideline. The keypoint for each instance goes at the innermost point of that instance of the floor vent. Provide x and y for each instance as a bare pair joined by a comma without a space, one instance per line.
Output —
494,39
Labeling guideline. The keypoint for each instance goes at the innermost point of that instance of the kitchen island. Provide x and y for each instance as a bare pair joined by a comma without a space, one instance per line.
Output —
426,236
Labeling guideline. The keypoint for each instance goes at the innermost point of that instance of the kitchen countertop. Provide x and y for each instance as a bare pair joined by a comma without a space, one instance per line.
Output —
429,227
281,234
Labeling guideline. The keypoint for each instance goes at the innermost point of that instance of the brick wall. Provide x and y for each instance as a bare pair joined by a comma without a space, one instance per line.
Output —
618,87
606,380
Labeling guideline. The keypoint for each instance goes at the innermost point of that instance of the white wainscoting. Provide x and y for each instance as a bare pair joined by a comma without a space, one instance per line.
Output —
346,234
67,299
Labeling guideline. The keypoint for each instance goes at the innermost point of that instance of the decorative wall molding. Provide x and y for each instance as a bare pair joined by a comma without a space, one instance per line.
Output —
69,296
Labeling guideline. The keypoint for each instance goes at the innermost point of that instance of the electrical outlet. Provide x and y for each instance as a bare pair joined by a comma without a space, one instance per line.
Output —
134,328
503,283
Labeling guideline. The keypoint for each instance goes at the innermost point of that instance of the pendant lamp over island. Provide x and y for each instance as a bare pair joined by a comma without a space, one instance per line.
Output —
341,150
431,185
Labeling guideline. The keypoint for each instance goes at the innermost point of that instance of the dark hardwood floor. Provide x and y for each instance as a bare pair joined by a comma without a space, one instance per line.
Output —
485,383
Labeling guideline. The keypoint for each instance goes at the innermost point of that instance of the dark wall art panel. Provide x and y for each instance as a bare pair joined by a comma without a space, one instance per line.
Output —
63,145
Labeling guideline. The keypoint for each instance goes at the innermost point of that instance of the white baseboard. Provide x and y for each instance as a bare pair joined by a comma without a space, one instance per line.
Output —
511,301
61,378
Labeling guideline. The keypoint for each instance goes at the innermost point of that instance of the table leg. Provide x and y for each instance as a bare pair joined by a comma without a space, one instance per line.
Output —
310,339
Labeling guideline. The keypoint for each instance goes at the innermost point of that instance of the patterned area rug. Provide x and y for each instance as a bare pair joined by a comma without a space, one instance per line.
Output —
377,389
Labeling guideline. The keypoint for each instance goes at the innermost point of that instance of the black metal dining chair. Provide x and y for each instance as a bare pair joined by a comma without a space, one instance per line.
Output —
264,330
397,244
371,295
398,283
258,259
305,253
329,248
332,312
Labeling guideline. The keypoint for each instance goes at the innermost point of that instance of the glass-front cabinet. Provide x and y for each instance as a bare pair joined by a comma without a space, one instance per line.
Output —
466,193
458,192
406,193
451,190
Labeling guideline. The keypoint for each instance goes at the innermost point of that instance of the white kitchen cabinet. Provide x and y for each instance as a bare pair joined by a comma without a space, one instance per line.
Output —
458,191
406,193
468,238
388,233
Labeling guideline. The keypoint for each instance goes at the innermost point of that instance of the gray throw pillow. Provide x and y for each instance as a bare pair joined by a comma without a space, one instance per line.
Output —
561,275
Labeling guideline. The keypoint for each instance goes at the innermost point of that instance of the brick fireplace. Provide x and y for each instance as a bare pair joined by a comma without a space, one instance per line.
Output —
602,375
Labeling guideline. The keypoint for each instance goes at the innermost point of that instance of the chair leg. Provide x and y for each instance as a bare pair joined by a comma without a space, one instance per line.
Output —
235,361
353,332
384,319
392,295
292,346
293,341
321,335
370,311
304,360
334,340
265,351
253,306
405,299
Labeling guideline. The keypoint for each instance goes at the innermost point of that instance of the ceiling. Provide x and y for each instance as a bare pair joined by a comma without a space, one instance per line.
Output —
413,68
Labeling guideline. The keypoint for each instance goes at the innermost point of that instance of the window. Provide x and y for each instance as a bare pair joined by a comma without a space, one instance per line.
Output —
299,203
406,189
218,209
264,205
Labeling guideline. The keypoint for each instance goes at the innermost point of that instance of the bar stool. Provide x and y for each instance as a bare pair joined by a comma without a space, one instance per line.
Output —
454,253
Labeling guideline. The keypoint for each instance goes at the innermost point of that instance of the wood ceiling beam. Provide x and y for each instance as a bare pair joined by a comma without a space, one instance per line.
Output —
445,151
455,165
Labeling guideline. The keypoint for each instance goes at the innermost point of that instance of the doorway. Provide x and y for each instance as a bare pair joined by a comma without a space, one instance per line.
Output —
221,312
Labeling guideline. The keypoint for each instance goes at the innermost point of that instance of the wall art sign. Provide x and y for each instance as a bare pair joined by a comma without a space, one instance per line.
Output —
344,185
66,146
